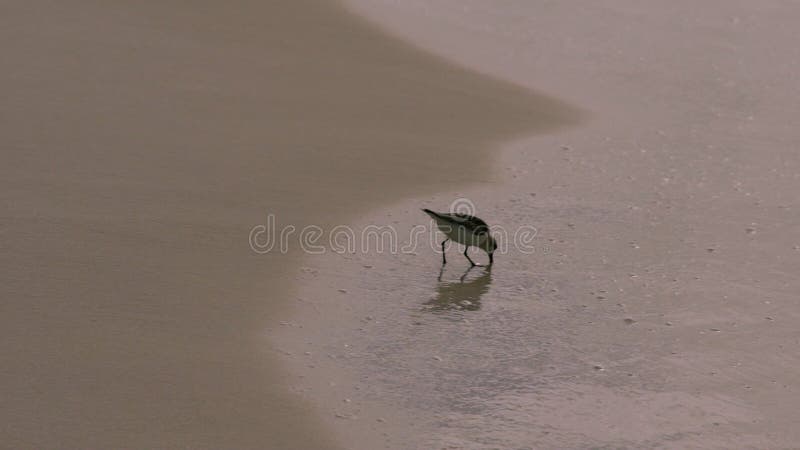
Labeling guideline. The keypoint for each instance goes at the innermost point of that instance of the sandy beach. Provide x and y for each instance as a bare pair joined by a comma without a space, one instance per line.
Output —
658,308
650,145
141,145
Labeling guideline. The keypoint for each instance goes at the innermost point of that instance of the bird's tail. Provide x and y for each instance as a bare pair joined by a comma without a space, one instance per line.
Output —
430,213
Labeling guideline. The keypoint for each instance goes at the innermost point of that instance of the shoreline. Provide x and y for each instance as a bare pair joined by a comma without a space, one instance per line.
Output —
144,142
147,141
661,304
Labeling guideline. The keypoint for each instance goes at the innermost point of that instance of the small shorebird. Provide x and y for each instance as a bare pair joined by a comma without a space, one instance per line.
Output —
466,230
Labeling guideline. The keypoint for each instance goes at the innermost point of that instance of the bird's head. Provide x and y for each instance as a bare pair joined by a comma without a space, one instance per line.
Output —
489,245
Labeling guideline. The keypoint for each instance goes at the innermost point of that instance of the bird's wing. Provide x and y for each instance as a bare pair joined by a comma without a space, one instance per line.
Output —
471,222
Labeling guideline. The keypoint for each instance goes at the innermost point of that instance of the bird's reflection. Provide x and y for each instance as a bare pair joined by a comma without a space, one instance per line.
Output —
464,294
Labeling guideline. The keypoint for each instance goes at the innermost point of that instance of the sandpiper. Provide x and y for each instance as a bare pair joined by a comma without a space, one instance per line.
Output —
466,230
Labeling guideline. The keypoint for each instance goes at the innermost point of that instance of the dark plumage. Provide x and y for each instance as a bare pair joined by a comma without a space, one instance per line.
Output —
466,230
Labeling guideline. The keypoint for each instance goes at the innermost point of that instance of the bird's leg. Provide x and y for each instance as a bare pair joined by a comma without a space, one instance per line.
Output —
491,258
468,258
444,257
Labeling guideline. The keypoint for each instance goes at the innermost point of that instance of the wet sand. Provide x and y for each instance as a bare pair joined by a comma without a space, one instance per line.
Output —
142,143
659,306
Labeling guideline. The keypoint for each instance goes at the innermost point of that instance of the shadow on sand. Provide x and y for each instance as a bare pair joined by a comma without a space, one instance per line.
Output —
461,295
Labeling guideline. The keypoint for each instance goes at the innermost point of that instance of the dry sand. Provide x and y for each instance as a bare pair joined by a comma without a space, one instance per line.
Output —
660,306
141,142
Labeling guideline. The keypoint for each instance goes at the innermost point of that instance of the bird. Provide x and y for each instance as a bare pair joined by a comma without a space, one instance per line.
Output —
466,230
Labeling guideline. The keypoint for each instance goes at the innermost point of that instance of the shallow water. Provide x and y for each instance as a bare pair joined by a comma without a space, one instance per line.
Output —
594,337
147,140
659,308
